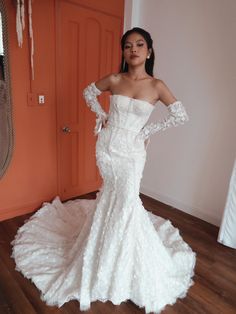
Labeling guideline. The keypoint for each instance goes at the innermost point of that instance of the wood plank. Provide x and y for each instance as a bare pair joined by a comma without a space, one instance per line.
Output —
214,290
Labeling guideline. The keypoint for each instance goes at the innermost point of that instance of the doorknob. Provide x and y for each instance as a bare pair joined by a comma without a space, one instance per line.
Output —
66,129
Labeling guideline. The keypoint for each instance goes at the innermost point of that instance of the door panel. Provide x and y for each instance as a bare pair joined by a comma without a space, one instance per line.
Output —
87,49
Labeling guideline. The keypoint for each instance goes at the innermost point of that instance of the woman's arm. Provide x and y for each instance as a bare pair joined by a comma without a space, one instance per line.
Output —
176,112
90,94
165,95
105,83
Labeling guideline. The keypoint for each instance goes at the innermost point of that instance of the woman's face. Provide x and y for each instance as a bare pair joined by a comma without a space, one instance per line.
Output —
135,49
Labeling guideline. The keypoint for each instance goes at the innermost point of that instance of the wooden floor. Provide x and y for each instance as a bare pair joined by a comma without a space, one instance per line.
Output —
214,290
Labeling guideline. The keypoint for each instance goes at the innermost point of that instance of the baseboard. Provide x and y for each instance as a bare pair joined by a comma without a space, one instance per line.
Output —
194,211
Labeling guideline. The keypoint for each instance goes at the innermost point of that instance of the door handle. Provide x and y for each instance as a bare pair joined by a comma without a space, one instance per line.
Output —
66,129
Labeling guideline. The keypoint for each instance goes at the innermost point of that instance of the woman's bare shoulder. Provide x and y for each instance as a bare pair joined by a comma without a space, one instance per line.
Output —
164,93
156,82
106,82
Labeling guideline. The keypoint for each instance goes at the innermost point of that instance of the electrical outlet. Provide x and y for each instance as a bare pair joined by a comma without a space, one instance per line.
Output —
41,99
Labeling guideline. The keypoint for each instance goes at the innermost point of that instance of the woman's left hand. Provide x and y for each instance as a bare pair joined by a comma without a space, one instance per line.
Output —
146,142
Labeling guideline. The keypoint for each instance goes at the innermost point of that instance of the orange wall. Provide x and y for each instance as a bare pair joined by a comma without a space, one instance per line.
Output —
32,175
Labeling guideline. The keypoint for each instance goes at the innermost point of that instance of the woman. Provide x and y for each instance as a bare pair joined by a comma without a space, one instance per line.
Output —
111,248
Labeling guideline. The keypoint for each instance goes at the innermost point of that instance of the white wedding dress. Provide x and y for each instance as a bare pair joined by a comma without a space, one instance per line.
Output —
108,248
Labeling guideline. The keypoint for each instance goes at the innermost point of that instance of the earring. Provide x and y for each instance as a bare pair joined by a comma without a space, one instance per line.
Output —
148,57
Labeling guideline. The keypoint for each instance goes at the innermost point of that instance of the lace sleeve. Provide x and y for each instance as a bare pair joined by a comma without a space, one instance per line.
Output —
177,115
90,94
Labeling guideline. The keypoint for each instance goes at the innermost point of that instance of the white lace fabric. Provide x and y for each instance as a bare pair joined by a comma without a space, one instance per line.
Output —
90,94
109,248
177,115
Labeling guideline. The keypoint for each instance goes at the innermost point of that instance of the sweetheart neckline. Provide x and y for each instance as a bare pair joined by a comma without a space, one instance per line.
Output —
153,105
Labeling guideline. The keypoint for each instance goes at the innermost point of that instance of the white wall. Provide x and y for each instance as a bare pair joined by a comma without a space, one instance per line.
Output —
189,166
1,39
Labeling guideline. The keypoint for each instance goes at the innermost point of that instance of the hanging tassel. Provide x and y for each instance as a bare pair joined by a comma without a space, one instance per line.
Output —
32,39
22,14
19,26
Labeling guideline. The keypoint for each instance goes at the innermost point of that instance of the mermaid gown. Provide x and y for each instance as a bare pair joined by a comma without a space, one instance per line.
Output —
108,248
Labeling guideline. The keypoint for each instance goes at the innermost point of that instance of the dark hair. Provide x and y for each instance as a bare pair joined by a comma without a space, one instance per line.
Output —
149,62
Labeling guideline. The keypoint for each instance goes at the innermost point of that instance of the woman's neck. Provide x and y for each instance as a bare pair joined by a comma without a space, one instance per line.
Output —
137,73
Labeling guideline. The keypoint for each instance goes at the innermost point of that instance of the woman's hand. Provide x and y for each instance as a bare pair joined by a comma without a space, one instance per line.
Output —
146,142
104,122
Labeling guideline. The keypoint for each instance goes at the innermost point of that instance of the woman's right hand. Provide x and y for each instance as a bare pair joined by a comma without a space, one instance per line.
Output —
104,122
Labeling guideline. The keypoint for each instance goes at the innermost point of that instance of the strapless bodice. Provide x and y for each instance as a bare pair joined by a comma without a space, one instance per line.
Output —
129,113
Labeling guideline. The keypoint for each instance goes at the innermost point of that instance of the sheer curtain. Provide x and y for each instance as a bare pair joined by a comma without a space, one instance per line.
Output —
227,232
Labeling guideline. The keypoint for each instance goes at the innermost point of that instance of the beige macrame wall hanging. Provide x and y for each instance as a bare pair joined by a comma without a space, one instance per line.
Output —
20,26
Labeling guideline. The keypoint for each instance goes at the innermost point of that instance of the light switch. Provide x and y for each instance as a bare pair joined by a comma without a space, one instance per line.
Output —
41,99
